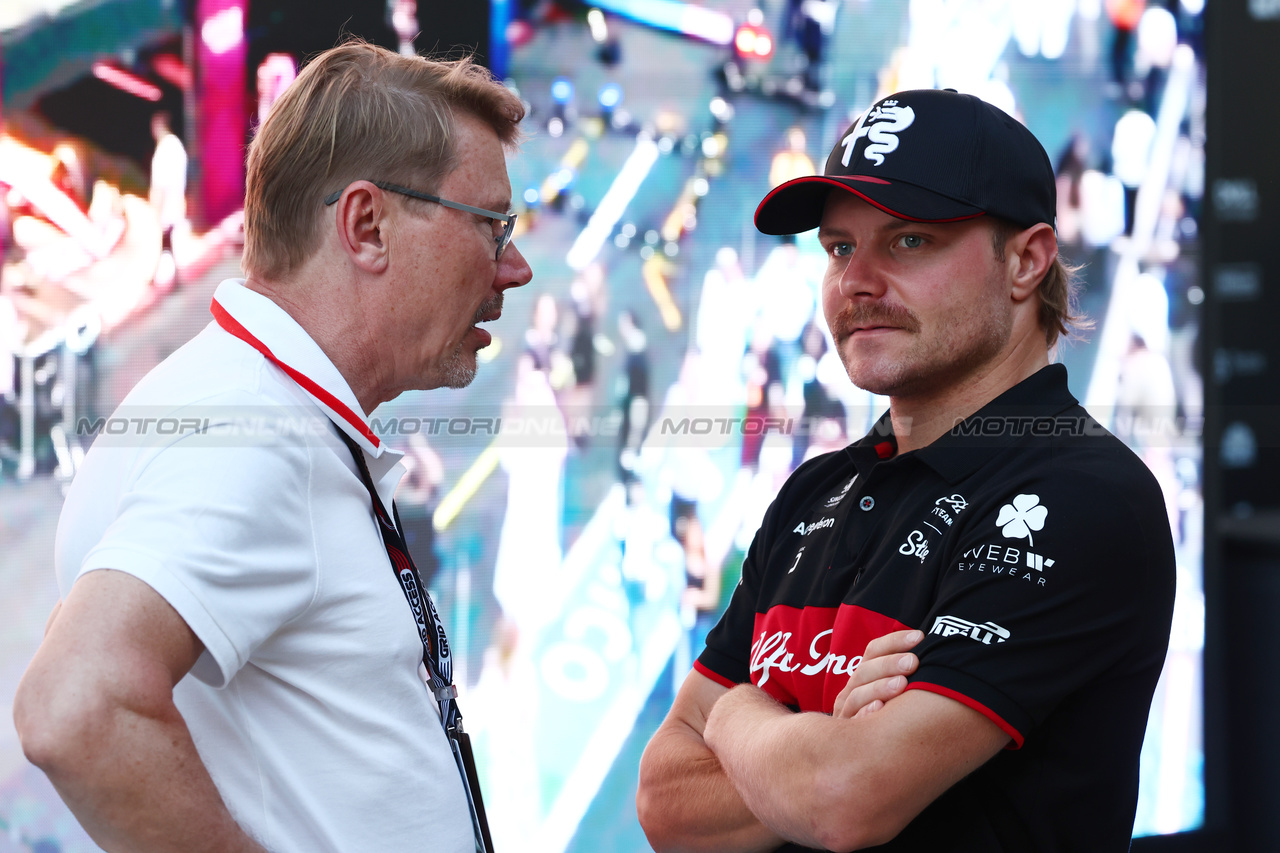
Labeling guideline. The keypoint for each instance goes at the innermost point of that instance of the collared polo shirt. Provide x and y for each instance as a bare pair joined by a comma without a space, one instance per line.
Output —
1033,549
229,492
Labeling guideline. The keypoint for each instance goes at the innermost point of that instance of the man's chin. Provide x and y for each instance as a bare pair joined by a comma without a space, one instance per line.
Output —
869,376
880,389
459,379
459,372
884,381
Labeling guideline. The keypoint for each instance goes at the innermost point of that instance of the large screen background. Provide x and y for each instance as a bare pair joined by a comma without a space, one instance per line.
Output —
583,508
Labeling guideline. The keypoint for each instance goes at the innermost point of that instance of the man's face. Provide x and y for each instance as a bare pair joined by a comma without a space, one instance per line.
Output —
447,278
914,308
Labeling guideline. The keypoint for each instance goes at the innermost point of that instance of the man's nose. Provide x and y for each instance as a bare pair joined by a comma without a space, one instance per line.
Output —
513,269
861,277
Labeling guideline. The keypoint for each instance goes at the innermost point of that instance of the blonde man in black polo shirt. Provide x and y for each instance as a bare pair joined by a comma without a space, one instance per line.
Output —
947,635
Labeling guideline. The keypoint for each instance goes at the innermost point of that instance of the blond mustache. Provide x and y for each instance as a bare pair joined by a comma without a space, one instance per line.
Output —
852,317
489,307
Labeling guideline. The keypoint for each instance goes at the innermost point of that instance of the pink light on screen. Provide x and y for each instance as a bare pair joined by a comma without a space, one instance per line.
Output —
172,69
126,82
222,118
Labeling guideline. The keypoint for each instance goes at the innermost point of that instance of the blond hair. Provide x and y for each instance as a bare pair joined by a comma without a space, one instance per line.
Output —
1058,291
358,111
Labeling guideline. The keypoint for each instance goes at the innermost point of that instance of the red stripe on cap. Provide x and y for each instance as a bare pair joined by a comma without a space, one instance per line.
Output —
824,179
975,705
233,327
771,194
889,210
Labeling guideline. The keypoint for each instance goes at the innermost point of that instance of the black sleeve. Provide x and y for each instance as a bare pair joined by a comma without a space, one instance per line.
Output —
727,656
1062,579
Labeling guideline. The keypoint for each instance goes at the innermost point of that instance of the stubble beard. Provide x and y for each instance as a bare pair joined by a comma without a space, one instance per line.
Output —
924,365
459,370
871,374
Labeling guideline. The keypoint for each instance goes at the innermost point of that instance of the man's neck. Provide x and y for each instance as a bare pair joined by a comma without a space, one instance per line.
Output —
336,325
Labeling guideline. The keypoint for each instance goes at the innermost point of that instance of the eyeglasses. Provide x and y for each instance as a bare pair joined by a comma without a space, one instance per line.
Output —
508,220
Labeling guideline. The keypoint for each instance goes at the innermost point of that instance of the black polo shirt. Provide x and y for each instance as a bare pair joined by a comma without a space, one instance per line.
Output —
1033,549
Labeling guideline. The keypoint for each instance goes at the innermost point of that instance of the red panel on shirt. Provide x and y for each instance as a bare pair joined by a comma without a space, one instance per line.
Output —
804,656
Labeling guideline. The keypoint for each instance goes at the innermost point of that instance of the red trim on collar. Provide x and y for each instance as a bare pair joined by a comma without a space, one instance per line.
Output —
885,449
233,327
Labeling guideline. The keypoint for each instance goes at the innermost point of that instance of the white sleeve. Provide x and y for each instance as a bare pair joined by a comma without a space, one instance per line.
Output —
223,534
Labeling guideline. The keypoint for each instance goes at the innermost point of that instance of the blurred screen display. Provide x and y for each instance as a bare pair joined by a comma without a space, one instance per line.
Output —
583,508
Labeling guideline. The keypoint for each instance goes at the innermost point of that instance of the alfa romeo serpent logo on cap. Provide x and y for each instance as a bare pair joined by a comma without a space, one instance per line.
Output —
880,124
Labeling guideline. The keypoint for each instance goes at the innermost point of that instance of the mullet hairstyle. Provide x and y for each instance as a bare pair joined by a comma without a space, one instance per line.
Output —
1059,290
358,111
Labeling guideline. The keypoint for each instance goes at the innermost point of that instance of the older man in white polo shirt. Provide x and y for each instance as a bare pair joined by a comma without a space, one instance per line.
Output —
235,666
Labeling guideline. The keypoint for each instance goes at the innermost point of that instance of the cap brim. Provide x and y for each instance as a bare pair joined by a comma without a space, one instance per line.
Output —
797,205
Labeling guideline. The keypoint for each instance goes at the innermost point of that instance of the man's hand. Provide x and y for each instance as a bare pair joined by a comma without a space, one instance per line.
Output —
880,676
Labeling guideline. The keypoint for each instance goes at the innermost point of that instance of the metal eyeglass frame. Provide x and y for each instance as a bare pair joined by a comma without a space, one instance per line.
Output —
508,219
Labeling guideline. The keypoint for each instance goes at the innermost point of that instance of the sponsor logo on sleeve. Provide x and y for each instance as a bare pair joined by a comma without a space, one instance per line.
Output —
953,626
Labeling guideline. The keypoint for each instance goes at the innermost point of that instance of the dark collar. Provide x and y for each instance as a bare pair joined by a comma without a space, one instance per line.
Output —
1000,424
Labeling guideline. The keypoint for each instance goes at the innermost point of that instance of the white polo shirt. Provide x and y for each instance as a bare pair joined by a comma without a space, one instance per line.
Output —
221,483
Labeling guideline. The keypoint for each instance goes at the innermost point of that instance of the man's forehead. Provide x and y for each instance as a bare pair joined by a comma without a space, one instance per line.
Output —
481,170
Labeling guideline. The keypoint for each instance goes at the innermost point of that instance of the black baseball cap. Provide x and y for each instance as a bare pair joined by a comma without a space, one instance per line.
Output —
926,155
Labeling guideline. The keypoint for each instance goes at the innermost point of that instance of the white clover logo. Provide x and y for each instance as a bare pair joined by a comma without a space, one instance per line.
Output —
1018,519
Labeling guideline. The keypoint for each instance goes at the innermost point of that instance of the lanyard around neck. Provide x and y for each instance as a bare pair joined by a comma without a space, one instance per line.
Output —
436,654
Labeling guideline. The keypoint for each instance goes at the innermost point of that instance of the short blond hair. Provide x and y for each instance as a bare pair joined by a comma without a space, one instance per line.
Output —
358,111
1059,290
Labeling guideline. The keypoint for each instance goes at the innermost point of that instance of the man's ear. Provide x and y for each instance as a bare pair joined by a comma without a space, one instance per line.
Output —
360,219
1030,254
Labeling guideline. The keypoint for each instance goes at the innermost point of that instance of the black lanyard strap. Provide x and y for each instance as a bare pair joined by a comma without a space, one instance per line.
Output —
436,653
